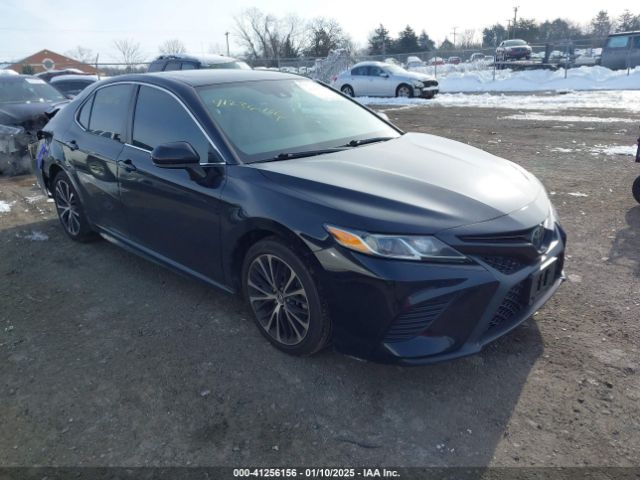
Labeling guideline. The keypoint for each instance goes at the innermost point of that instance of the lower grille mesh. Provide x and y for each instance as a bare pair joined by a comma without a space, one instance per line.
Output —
505,265
415,321
510,307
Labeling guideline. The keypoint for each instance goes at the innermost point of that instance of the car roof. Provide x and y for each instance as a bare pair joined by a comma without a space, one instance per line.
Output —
370,63
633,32
15,78
204,77
71,76
211,59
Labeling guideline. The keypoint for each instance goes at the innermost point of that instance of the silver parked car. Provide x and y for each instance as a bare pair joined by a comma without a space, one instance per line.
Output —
622,50
377,79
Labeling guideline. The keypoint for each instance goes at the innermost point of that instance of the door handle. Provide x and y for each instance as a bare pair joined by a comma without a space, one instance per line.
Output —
127,165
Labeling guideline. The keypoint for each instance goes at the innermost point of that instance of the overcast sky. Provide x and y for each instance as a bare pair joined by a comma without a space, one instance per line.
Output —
27,26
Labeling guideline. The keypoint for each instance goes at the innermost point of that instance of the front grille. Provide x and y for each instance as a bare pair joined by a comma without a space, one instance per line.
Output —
505,265
430,83
415,321
510,307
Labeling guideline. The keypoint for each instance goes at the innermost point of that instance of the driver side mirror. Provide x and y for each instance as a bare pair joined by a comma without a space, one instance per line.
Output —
384,75
175,155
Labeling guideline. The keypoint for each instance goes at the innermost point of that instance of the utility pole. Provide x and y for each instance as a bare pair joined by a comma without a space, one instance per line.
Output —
508,28
515,20
226,34
454,35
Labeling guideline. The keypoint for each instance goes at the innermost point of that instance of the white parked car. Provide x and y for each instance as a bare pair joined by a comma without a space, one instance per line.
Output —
414,62
377,79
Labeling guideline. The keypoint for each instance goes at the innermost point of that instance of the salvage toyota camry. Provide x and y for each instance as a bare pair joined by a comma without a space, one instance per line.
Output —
336,226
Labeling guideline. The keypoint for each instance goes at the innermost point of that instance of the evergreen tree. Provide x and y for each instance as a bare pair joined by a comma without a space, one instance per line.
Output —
628,22
379,41
446,45
601,25
425,43
492,36
407,41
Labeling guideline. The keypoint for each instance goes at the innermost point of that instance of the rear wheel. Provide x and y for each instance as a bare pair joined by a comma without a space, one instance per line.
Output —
347,90
70,211
284,298
636,189
404,90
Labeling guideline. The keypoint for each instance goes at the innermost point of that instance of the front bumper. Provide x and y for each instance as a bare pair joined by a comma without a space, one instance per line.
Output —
415,313
427,91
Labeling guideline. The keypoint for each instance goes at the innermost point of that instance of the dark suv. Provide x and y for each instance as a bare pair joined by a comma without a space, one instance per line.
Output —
166,63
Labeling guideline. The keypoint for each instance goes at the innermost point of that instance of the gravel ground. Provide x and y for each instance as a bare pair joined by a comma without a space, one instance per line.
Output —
107,359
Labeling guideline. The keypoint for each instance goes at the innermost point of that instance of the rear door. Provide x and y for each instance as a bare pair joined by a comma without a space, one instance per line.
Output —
92,146
171,213
378,84
634,53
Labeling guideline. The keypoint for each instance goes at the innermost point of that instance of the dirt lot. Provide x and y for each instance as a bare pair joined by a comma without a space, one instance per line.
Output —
107,359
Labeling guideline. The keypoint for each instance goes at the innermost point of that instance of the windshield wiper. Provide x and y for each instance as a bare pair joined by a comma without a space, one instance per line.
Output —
306,153
364,141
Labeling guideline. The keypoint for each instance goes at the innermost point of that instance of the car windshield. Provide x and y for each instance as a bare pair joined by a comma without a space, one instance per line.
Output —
236,65
514,43
27,90
268,118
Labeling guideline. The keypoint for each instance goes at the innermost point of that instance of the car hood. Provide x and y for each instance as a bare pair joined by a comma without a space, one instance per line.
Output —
28,115
415,183
418,76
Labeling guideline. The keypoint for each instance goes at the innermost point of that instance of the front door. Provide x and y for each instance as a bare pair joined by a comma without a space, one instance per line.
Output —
171,213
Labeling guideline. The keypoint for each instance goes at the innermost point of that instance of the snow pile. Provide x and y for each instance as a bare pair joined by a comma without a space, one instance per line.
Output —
538,117
583,78
37,236
611,100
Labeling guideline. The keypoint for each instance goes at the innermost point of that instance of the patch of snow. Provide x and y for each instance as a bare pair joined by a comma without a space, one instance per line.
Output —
562,150
5,206
539,117
37,236
34,198
577,194
615,150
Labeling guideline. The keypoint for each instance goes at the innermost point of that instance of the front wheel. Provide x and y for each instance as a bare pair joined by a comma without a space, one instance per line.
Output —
404,91
70,211
636,189
287,307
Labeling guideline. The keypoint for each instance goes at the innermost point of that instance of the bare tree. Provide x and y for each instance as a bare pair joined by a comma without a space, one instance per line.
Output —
267,37
468,39
129,52
82,54
172,47
324,35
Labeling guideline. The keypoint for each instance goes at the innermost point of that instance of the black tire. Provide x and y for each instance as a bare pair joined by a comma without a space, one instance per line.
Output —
271,257
408,88
429,96
348,90
70,211
636,189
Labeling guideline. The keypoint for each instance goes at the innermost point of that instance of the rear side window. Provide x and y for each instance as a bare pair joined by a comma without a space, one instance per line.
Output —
159,118
85,112
636,42
109,112
188,66
618,42
374,71
358,71
172,66
155,67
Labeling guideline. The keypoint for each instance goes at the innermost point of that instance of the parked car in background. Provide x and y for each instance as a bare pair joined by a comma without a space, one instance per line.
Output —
513,50
49,74
454,60
413,62
165,63
436,61
26,104
377,79
72,85
336,226
622,50
477,57
587,57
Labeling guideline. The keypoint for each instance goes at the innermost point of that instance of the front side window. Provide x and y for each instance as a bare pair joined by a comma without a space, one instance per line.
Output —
173,65
636,42
264,118
620,41
375,71
159,118
188,66
110,111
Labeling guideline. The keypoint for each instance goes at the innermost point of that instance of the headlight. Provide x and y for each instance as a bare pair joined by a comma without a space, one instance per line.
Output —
418,84
403,247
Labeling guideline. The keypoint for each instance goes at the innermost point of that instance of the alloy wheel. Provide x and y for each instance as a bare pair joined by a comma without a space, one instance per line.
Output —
278,298
403,91
67,205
